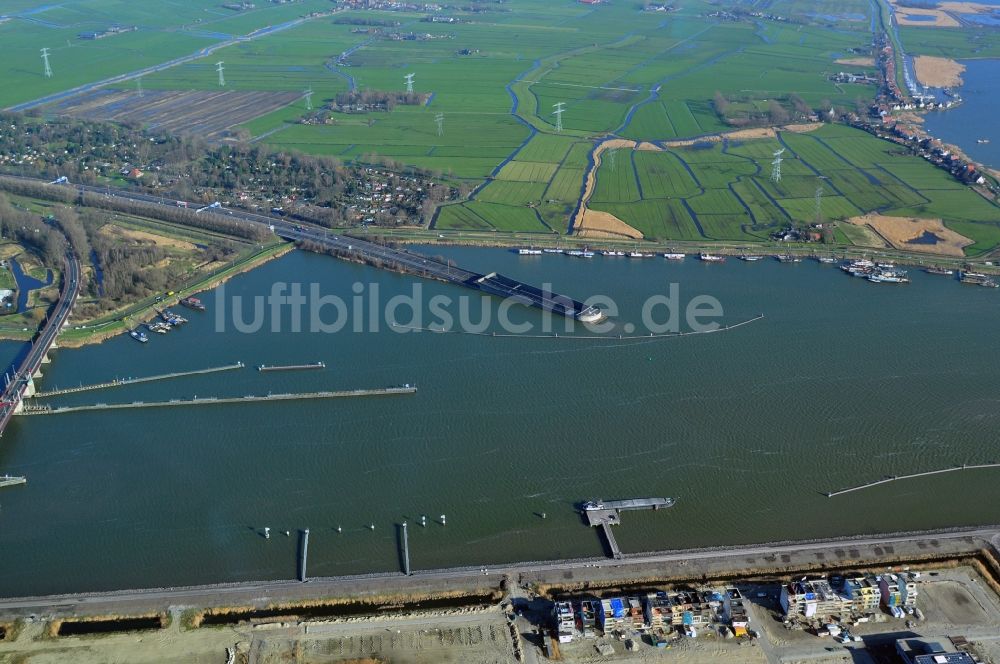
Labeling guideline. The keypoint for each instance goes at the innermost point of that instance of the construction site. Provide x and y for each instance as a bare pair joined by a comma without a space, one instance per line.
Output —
698,607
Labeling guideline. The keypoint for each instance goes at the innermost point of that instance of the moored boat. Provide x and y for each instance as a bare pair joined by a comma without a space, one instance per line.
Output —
710,258
193,303
524,251
750,259
673,256
138,336
943,271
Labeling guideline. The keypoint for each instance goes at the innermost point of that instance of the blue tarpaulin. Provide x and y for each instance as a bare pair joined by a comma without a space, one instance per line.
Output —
617,608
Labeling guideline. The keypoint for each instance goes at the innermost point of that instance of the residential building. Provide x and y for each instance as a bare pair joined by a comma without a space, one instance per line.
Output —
812,599
735,612
864,593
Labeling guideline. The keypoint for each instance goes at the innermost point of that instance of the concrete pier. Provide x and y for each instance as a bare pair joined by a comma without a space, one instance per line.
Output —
406,550
303,558
615,550
207,401
606,513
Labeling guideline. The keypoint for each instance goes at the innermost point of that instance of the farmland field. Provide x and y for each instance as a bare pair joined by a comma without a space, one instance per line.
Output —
490,83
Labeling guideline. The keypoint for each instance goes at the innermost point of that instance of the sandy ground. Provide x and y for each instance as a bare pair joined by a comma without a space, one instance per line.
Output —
966,7
954,602
899,231
461,638
941,19
146,237
747,134
857,62
602,225
938,72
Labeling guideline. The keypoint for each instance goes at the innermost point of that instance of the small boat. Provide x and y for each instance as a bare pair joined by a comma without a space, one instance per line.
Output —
788,258
750,259
983,141
138,336
193,303
709,258
639,254
612,253
887,278
529,252
826,260
576,253
552,251
672,256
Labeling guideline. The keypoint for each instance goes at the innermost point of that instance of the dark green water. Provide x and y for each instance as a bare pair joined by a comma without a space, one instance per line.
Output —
842,382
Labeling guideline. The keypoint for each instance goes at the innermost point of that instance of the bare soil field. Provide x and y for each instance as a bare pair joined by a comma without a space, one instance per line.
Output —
746,134
602,225
929,236
938,17
938,72
143,237
208,114
857,62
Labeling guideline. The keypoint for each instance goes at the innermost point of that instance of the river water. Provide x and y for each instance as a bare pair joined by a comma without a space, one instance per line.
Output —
975,118
843,382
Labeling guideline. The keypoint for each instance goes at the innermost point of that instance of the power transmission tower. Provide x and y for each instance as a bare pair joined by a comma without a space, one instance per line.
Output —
45,59
138,85
819,202
439,119
409,83
222,79
309,99
558,113
776,166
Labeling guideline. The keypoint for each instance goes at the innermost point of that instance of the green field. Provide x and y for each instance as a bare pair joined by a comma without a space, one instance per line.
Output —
724,190
496,75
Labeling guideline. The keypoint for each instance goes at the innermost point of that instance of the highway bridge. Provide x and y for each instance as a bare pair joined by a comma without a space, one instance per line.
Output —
18,384
364,250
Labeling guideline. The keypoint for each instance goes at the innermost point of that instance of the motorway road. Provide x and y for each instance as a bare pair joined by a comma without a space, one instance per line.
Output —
967,540
40,345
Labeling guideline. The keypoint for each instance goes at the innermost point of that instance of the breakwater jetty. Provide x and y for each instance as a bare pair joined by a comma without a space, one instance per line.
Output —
895,478
291,367
119,382
209,401
10,480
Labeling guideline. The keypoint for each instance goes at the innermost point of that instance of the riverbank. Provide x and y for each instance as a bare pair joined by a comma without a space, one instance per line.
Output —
111,325
719,563
495,240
